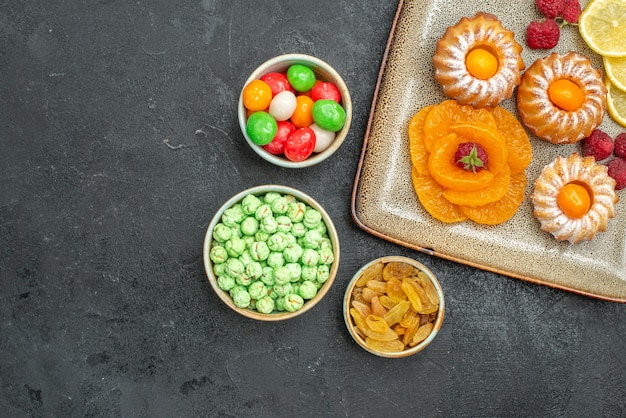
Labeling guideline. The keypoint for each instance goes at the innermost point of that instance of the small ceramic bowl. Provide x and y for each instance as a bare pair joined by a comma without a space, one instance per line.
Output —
435,317
323,72
210,242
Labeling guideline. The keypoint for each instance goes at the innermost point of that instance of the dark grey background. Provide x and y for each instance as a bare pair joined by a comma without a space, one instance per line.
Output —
105,308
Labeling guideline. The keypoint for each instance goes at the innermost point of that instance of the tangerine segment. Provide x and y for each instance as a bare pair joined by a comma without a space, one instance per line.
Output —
417,148
520,151
501,211
492,193
442,167
492,143
448,113
430,195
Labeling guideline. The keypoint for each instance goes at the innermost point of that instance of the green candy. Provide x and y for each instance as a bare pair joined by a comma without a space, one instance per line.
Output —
323,272
222,233
282,289
301,77
284,223
225,283
292,253
241,297
249,226
275,259
235,246
254,270
218,254
326,256
307,290
259,251
309,273
296,211
293,302
261,128
234,267
250,204
257,290
282,275
265,305
328,115
295,270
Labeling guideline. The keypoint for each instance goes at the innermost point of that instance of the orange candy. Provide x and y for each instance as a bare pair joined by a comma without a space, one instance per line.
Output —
257,95
574,200
481,63
566,94
303,116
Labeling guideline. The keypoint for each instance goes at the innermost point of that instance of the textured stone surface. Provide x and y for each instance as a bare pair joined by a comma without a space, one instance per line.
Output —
120,140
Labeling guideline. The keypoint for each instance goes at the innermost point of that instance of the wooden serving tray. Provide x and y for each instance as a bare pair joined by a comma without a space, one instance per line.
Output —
383,199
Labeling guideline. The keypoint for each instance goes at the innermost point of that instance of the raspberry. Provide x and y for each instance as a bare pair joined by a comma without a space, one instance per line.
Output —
550,8
571,11
471,157
617,170
598,145
620,145
543,34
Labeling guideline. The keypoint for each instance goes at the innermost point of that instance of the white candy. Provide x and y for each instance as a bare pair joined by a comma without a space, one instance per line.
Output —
283,105
323,138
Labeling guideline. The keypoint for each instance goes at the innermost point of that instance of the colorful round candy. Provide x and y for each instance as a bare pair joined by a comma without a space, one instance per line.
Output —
257,95
301,77
325,90
323,138
277,81
302,116
300,144
328,115
277,146
261,128
283,105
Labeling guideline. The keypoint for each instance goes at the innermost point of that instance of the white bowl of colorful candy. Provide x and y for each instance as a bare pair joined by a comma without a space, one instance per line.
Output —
295,110
271,253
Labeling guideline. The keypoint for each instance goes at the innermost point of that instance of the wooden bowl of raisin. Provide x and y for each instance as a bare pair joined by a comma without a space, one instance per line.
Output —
394,307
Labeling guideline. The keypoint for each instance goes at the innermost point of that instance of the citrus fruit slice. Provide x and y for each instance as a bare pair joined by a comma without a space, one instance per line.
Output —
449,112
492,143
430,195
602,24
501,211
615,68
442,167
520,150
492,193
616,101
417,148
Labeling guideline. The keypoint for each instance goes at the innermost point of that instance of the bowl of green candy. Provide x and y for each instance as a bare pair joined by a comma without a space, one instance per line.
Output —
271,252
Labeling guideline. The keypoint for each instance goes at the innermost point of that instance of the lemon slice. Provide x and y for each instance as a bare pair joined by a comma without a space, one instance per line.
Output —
603,27
616,100
615,69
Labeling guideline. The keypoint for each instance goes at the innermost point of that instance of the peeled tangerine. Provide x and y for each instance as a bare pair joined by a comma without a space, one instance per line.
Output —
453,193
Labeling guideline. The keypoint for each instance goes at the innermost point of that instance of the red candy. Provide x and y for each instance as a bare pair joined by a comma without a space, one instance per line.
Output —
325,90
277,82
277,146
300,144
